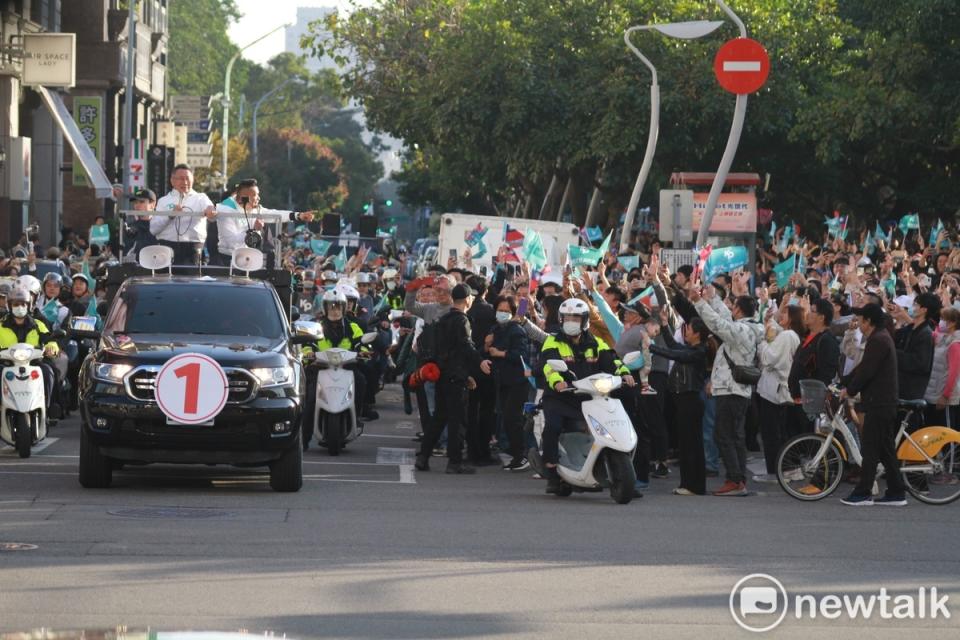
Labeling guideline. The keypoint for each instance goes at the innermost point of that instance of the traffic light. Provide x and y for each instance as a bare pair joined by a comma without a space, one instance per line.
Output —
366,207
388,203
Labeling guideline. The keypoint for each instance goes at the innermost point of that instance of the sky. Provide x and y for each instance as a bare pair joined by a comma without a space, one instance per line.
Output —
259,16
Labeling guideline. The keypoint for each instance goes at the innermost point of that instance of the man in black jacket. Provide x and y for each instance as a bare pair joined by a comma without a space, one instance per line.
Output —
914,343
817,358
875,379
480,413
457,358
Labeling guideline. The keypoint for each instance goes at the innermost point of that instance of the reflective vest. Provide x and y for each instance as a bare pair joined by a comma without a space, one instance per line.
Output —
8,337
565,352
395,300
347,342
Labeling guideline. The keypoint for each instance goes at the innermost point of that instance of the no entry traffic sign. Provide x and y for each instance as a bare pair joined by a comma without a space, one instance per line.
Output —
742,65
191,388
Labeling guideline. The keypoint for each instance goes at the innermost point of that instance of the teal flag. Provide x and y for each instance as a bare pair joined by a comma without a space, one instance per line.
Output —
85,272
533,250
784,270
935,231
908,222
629,262
605,246
786,238
319,246
594,233
773,230
92,312
584,256
100,234
869,244
725,260
50,312
340,261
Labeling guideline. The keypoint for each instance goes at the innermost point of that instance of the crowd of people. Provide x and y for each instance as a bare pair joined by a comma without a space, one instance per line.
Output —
722,356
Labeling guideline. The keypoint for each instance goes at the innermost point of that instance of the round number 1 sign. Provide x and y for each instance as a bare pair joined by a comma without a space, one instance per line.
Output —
191,388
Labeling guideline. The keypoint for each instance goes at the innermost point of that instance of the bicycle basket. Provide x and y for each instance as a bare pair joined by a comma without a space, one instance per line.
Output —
813,397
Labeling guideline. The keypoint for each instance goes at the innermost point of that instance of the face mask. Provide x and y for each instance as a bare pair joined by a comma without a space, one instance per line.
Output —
391,285
571,328
19,311
503,317
942,326
911,312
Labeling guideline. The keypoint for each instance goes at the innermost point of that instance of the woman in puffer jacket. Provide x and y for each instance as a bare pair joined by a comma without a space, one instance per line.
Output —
783,332
943,390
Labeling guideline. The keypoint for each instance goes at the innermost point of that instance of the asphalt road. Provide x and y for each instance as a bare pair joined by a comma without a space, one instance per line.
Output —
371,549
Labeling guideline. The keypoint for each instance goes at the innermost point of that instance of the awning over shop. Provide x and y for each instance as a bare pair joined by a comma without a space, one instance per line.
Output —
81,150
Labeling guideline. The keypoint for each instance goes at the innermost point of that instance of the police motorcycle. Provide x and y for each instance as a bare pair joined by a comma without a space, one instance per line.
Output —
334,416
600,455
56,365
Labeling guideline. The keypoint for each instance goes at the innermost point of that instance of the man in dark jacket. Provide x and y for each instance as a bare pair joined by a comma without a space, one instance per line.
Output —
457,358
817,358
915,346
875,379
480,413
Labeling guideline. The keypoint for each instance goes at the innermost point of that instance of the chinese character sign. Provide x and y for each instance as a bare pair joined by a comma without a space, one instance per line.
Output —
88,113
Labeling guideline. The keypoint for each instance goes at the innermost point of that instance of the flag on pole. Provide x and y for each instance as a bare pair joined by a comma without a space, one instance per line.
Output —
584,256
319,246
725,260
594,233
786,238
773,230
645,298
340,260
512,237
869,244
784,270
605,247
934,232
908,222
629,262
533,250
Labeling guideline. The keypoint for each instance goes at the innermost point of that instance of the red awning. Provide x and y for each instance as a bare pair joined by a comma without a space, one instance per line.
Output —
694,179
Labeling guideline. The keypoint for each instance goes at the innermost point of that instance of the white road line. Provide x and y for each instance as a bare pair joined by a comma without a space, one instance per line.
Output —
379,435
388,455
37,448
406,474
741,65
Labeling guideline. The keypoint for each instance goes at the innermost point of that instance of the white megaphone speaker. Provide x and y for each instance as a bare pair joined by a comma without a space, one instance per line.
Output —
246,259
156,257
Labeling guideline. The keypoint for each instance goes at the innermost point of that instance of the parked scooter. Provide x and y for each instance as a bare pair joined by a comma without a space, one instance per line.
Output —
23,414
334,415
600,455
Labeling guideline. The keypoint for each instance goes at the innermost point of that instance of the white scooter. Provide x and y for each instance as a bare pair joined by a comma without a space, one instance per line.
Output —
335,414
23,413
600,456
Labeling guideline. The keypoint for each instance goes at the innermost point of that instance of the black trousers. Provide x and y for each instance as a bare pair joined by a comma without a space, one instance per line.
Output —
481,418
878,444
310,402
729,434
773,431
185,252
797,422
637,407
452,400
654,410
510,401
689,425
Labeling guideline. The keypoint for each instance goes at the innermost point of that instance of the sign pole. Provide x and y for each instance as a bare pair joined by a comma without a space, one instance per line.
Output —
129,98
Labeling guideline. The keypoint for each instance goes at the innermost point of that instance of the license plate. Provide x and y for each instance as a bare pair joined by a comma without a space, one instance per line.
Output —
174,423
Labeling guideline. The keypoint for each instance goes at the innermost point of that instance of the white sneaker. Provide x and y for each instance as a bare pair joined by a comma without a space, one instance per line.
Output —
768,478
794,475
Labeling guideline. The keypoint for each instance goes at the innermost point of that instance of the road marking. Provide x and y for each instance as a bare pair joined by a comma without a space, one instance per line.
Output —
406,474
742,65
37,448
388,455
405,424
380,435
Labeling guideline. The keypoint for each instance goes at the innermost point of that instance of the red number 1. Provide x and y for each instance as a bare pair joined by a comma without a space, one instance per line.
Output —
192,373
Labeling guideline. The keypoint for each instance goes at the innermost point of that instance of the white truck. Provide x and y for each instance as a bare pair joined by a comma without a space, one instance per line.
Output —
454,228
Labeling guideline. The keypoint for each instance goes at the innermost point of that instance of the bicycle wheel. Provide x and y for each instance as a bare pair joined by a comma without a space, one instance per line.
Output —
800,477
940,485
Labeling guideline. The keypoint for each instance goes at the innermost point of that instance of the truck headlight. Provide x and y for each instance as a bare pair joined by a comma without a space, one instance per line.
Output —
112,373
273,376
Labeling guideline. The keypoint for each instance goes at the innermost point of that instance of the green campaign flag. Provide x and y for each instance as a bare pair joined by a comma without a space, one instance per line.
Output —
340,261
533,251
99,234
85,272
908,222
584,256
50,312
784,270
605,246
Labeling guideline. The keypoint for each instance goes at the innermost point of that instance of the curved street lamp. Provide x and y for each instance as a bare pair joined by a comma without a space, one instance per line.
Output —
684,31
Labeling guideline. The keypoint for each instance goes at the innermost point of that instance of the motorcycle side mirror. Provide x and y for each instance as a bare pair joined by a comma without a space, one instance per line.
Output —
632,357
302,339
558,365
58,334
368,338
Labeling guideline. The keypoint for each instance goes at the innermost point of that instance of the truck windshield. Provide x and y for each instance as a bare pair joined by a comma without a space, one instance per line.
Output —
200,308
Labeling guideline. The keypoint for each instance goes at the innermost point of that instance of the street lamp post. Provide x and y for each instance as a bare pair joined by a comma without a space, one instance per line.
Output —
684,31
256,109
733,141
225,142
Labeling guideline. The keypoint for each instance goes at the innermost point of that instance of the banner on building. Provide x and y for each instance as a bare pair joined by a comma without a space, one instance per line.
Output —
88,114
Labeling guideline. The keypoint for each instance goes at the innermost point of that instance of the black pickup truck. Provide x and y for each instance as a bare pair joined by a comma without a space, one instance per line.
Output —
239,322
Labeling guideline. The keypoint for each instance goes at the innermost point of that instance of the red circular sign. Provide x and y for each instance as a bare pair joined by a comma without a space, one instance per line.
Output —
742,65
191,388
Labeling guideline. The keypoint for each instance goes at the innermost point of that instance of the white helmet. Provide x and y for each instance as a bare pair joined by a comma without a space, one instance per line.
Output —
329,276
348,290
390,274
28,283
332,297
575,307
365,277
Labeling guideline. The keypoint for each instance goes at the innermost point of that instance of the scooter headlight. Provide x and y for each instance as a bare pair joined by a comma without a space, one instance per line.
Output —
112,373
603,385
273,376
333,358
22,355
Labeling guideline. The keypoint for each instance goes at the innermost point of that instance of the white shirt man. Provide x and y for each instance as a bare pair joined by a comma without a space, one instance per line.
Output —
232,229
184,233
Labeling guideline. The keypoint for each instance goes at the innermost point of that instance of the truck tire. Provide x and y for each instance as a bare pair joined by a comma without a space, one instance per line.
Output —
22,435
96,469
286,473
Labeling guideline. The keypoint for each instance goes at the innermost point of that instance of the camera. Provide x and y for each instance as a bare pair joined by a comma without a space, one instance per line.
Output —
253,239
244,200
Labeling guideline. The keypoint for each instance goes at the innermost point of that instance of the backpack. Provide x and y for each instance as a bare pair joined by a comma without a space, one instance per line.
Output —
428,344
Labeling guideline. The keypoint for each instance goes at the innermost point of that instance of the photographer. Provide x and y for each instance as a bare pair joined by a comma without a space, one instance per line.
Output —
139,226
247,230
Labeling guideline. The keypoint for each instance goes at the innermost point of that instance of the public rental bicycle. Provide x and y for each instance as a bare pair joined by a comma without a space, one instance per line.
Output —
811,466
